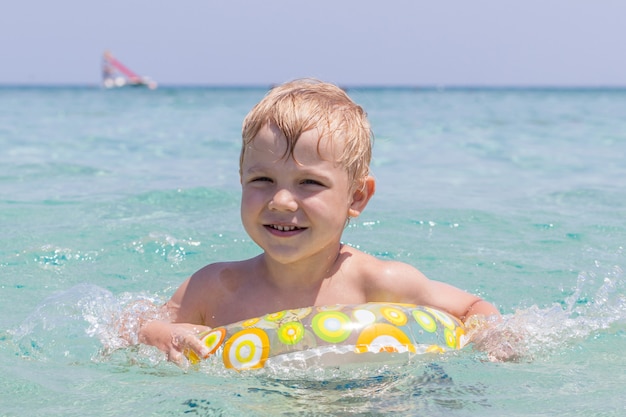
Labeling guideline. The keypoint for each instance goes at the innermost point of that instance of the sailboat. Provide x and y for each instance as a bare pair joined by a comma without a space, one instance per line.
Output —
115,74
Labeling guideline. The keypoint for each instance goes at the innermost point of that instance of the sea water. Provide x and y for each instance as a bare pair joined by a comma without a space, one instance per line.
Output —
108,198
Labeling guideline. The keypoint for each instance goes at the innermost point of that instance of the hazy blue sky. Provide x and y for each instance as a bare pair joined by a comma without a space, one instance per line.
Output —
483,42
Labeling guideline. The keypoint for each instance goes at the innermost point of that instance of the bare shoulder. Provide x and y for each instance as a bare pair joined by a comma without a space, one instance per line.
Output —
207,290
394,281
387,280
216,273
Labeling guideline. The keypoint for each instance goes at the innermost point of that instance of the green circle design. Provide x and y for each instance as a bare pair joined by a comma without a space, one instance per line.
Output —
425,320
450,337
275,316
332,326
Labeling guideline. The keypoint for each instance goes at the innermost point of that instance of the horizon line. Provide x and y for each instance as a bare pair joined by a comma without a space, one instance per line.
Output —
345,86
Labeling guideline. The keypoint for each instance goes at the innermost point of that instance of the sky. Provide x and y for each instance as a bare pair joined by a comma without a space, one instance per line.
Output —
364,42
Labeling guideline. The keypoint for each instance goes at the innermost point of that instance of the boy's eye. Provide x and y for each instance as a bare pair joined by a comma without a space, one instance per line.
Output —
261,179
312,182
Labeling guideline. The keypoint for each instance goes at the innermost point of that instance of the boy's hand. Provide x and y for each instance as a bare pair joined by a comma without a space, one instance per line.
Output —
174,339
496,339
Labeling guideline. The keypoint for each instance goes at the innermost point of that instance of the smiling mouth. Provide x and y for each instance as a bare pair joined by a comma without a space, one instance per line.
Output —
281,228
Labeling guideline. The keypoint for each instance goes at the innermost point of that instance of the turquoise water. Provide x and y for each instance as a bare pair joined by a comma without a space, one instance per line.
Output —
109,197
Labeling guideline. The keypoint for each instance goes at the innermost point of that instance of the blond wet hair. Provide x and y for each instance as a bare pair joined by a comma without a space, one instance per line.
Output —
301,105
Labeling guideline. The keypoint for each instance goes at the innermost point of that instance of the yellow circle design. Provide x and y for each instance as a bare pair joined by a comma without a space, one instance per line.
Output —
250,322
425,320
246,349
450,337
331,326
394,316
214,339
275,316
383,337
291,333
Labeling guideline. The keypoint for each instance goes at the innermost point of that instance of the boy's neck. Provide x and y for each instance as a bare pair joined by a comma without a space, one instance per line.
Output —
308,274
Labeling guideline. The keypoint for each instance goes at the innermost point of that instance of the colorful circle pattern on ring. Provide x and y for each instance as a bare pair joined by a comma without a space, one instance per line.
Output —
359,328
383,337
332,326
291,333
247,349
214,339
394,315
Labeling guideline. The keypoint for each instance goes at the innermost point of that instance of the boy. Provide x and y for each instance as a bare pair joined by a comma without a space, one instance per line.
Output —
304,171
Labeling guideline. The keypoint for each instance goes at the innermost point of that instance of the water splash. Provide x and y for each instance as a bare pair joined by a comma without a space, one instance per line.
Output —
83,323
597,304
56,329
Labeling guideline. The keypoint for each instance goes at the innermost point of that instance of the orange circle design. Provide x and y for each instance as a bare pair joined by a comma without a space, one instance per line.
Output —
383,337
246,349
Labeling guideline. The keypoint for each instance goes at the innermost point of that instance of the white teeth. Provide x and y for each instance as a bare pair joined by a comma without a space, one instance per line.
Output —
283,228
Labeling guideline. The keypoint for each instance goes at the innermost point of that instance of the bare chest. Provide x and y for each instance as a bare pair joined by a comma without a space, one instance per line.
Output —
255,300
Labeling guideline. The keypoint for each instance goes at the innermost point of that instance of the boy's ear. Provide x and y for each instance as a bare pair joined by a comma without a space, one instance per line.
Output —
361,196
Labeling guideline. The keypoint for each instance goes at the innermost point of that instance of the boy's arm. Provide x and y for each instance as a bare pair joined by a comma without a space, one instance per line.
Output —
402,283
480,307
485,329
170,328
179,333
173,339
456,301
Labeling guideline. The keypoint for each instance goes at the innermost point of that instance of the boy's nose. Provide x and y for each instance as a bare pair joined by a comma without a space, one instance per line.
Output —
283,200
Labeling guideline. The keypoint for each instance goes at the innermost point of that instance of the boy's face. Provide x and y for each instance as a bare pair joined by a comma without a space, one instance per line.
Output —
294,209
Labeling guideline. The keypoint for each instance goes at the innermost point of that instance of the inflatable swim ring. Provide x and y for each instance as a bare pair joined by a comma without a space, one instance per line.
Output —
310,335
